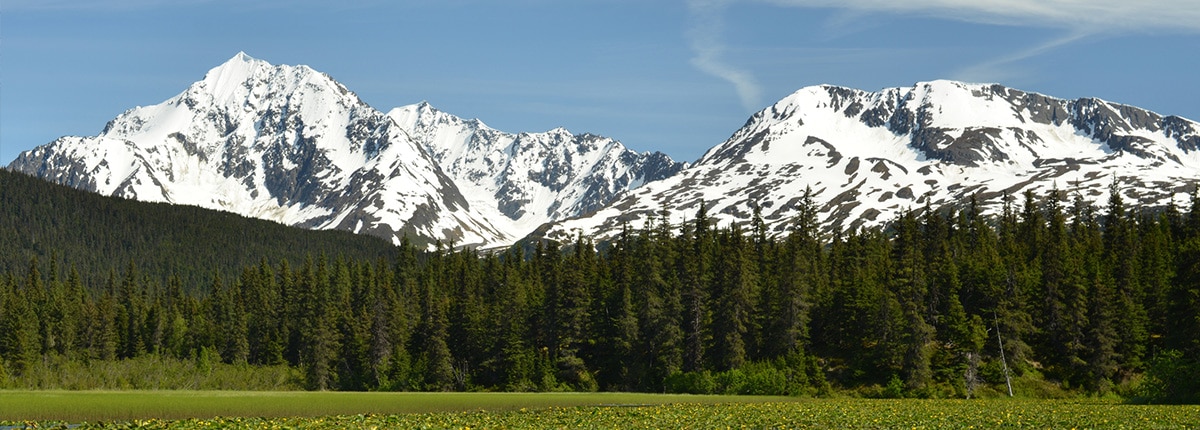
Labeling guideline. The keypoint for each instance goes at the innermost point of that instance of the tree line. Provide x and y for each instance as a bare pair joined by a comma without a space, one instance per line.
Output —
941,303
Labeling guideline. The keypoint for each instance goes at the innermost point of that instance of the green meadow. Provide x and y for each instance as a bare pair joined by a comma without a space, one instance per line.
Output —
92,406
250,410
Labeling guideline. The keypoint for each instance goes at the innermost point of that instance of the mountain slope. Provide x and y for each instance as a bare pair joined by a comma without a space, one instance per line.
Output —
283,143
524,180
867,156
96,235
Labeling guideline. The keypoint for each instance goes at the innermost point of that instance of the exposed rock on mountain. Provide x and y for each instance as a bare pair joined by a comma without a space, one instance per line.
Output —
524,180
282,143
289,144
867,156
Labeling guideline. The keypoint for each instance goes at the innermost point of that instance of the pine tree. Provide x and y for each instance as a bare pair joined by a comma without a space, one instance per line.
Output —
20,340
1010,303
1158,269
515,357
619,321
1183,298
733,294
659,306
175,337
570,302
788,300
380,305
317,329
1100,341
106,338
439,363
1063,316
262,298
1122,249
695,277
910,288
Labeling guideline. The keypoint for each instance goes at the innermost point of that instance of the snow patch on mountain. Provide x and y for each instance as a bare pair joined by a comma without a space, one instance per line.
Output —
868,156
522,180
284,143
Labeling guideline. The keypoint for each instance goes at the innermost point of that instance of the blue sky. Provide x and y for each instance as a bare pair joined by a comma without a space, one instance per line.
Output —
673,76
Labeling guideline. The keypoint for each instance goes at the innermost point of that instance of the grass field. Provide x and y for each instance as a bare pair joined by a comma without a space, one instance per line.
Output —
91,406
512,410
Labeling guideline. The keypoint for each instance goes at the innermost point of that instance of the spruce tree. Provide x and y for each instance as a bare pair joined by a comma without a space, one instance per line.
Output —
733,294
910,287
659,306
696,277
1121,250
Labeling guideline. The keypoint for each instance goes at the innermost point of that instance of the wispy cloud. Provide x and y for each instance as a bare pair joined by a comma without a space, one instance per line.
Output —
1077,19
704,34
1093,15
1001,69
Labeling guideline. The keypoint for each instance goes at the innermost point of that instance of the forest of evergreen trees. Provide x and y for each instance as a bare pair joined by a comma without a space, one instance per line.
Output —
940,303
97,234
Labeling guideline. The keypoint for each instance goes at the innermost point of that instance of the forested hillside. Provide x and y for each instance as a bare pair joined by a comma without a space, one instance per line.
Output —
97,235
1062,296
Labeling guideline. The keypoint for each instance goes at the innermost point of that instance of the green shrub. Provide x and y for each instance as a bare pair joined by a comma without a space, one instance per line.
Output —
691,383
1171,378
56,372
894,388
782,377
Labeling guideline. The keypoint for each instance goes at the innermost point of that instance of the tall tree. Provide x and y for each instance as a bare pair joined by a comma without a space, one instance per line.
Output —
910,286
696,275
733,293
1121,250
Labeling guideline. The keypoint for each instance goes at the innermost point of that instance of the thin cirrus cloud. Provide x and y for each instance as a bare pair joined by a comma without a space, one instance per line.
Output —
1078,19
704,36
1092,15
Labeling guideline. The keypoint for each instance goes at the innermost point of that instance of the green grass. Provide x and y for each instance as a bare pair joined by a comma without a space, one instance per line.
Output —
570,410
91,406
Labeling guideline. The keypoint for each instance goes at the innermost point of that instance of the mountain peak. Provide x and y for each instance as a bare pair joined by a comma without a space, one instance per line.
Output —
224,80
242,56
240,65
285,143
869,156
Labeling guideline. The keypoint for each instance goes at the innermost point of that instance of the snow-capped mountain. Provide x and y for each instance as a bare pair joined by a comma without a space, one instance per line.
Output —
284,143
520,181
867,156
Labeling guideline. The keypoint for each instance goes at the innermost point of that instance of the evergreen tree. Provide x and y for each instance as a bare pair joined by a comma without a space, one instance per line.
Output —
659,306
1012,300
439,363
1122,249
909,286
1100,341
262,298
317,329
733,294
695,269
619,321
1064,300
20,340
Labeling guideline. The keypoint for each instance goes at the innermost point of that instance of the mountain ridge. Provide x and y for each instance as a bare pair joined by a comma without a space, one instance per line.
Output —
528,178
867,156
293,145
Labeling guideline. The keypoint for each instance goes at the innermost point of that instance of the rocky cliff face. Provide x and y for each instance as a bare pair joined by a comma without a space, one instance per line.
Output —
526,179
